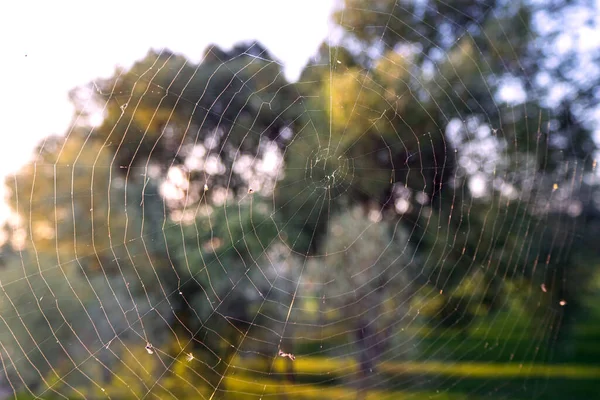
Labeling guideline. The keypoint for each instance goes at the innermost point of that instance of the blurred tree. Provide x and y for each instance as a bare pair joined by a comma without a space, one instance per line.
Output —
91,201
166,112
237,279
407,112
364,283
88,266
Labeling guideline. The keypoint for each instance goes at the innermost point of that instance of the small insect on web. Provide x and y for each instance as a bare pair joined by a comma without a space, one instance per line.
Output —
288,355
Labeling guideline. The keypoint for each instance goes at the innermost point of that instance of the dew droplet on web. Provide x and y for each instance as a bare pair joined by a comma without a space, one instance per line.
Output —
562,303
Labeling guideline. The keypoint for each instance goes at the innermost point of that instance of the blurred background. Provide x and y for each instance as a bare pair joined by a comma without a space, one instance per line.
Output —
300,200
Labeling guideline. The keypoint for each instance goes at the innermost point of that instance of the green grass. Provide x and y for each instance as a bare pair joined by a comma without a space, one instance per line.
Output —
497,359
317,378
244,387
333,367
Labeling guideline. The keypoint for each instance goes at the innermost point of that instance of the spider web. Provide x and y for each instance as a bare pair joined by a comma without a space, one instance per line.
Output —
374,229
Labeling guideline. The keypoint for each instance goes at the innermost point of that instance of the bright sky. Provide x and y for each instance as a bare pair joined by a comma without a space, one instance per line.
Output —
50,47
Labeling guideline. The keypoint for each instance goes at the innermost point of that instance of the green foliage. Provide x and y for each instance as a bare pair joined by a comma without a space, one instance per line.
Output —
164,108
367,262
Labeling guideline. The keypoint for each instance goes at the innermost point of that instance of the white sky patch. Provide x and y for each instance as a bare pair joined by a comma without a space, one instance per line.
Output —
506,189
176,185
421,198
564,44
375,215
195,160
271,161
478,186
214,166
512,92
402,205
